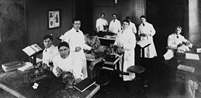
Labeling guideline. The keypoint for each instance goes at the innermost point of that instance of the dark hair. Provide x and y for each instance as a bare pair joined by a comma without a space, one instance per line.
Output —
63,44
102,14
114,14
126,21
92,33
128,18
75,19
143,16
179,27
48,36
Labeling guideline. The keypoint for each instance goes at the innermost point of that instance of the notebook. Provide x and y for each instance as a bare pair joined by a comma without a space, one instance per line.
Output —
84,84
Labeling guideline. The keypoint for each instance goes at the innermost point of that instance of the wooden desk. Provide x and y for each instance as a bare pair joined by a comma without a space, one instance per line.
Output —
106,41
96,64
182,77
17,84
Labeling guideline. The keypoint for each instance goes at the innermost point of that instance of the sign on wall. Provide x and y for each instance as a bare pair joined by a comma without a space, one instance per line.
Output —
54,20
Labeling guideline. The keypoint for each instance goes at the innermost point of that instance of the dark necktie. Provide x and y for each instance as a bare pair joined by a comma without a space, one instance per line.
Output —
113,20
143,24
177,36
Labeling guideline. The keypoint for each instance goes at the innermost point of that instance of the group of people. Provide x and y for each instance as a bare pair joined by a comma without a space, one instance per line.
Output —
126,38
69,55
113,27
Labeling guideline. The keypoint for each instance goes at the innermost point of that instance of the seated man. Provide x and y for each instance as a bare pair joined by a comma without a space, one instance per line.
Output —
49,52
66,62
177,43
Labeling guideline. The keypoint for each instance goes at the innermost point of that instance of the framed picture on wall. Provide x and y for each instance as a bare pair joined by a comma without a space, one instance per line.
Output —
54,19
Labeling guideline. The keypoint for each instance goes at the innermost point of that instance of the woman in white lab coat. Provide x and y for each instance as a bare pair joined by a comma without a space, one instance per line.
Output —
126,39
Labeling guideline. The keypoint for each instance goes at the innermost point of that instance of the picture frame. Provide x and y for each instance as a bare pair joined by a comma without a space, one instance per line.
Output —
54,19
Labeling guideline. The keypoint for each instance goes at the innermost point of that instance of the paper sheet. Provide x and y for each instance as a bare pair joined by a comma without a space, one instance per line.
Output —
198,50
186,68
144,43
28,65
168,55
192,56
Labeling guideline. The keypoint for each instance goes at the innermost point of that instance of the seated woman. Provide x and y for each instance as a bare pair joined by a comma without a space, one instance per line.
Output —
177,43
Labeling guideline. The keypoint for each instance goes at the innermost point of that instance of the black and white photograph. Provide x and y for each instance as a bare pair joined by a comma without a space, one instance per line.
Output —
54,19
100,49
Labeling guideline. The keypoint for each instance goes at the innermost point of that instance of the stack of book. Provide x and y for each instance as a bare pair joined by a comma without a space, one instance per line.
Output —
12,66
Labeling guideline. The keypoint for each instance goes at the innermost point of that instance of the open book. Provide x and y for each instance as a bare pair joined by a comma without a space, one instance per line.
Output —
30,50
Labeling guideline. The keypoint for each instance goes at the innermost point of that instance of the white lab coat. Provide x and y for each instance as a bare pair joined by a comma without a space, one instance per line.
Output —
100,23
68,65
76,39
174,40
132,27
127,40
48,54
149,31
115,26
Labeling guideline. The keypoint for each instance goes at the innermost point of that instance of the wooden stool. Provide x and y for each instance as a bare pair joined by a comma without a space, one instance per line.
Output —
136,69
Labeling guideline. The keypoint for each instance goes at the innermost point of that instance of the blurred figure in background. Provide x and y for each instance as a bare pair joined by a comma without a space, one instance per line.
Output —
115,24
132,26
101,25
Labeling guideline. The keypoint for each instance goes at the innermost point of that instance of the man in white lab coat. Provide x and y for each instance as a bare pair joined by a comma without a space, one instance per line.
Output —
49,52
115,24
146,32
66,62
101,25
75,39
126,39
177,43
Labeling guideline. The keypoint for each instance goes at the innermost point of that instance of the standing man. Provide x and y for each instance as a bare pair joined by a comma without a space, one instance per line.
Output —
49,52
132,26
115,24
75,39
146,32
101,25
127,41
